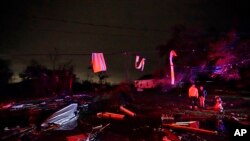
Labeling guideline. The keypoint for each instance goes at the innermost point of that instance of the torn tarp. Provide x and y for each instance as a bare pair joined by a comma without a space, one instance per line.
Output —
64,119
98,62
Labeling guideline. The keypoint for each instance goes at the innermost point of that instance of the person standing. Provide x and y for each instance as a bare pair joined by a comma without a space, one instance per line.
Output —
202,96
193,96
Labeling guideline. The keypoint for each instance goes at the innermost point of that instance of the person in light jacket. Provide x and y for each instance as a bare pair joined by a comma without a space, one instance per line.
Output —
193,96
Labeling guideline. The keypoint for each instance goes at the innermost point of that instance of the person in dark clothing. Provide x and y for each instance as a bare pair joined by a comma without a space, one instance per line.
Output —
202,96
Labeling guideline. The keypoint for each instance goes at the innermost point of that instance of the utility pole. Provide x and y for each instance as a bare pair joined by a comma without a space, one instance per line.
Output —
54,57
127,64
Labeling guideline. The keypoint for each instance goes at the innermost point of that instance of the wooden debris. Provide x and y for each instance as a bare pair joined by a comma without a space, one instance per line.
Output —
191,129
126,111
110,115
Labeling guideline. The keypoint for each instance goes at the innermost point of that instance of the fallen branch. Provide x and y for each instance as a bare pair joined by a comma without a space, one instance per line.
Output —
127,111
110,115
191,129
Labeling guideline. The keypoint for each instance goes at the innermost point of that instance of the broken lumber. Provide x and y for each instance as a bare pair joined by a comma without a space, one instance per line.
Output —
191,129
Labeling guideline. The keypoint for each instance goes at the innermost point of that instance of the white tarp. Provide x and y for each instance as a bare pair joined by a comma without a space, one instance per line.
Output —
65,119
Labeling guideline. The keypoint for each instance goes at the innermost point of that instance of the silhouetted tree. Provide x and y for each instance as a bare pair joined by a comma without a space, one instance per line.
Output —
210,52
90,73
190,45
58,81
62,79
35,79
5,72
103,76
33,71
222,56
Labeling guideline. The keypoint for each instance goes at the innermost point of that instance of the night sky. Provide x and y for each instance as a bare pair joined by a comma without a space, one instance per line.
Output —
81,27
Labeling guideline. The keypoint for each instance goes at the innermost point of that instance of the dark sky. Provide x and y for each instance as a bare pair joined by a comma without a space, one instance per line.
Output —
108,26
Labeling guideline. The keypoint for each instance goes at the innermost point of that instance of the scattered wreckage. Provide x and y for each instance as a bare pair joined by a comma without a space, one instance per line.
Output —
175,126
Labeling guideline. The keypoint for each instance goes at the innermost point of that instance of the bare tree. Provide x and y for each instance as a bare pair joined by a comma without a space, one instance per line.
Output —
5,72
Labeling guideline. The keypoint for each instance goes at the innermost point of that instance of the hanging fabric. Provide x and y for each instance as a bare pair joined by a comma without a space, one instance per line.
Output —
139,64
98,62
172,54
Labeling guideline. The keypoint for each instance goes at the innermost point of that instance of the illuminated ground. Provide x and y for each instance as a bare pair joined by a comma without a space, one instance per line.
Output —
146,126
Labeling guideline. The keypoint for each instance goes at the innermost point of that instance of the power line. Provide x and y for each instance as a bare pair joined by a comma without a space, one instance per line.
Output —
28,17
110,26
74,54
89,33
118,26
99,25
111,53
